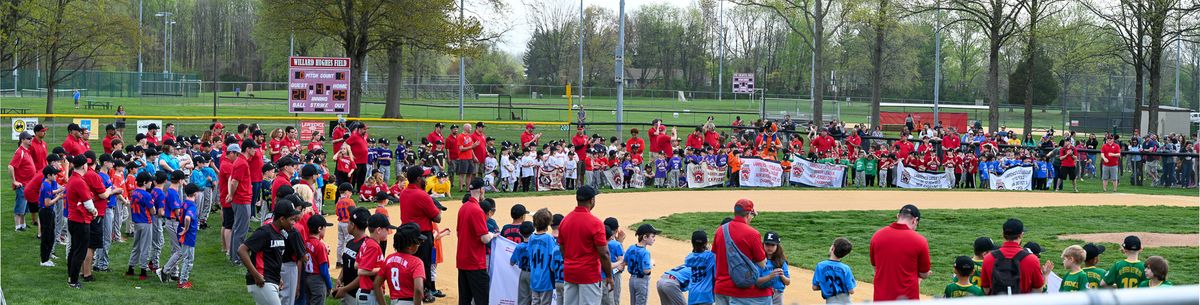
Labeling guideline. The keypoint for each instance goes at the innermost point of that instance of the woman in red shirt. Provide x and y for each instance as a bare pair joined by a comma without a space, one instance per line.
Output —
81,211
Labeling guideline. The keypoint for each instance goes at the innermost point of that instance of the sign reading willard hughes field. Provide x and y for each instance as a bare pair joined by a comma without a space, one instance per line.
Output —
318,85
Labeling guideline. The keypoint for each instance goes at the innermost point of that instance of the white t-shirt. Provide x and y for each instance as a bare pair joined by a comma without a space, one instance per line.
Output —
489,164
528,164
507,167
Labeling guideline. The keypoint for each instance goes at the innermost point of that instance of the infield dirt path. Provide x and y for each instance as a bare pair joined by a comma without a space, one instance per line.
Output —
631,208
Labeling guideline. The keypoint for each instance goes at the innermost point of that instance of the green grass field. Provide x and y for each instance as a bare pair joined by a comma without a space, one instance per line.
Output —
807,235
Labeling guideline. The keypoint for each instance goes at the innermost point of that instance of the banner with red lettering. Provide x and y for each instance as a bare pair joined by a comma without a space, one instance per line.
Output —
615,178
704,175
550,179
757,172
814,174
907,177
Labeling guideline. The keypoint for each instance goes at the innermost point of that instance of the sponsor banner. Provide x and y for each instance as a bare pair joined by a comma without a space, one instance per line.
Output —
757,172
143,126
637,180
814,174
92,125
20,125
548,180
615,178
307,128
505,277
1018,178
704,175
907,177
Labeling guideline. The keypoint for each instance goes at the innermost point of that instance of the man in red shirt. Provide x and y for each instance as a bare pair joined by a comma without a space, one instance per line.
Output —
1066,155
480,148
903,147
696,139
465,161
584,251
238,193
663,141
110,134
358,148
452,151
711,137
900,256
749,243
528,137
1030,271
473,237
419,208
169,132
22,171
436,134
152,134
635,145
81,212
73,144
1110,153
38,147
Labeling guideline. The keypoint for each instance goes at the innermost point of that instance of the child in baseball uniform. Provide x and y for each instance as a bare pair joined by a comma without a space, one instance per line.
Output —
637,259
316,280
1130,271
776,259
345,204
1095,274
545,260
181,260
702,264
1156,273
962,286
1075,279
520,258
833,277
405,274
672,284
616,253
142,212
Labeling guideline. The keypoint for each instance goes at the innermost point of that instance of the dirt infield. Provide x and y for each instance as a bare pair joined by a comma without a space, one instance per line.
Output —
1149,240
631,208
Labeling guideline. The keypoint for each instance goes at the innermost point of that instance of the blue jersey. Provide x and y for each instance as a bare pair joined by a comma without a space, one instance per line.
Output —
520,257
545,262
200,177
141,206
187,235
984,168
615,253
400,151
492,226
371,154
683,274
173,204
776,283
215,155
47,193
1043,169
703,266
637,261
107,181
160,199
834,278
660,168
676,163
722,160
381,153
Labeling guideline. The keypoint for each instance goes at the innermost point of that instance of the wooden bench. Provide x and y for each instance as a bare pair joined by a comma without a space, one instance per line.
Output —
14,110
94,103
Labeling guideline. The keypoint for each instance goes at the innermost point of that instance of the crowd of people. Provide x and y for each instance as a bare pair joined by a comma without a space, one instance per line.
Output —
160,189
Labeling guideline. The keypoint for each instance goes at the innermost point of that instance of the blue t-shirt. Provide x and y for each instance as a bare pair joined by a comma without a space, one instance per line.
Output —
173,204
47,193
200,177
834,278
703,266
140,207
545,262
492,226
615,252
520,257
187,235
171,161
683,274
776,283
107,181
660,168
637,261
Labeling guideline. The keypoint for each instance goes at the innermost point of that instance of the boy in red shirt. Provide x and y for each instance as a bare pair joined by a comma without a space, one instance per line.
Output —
410,270
317,282
370,260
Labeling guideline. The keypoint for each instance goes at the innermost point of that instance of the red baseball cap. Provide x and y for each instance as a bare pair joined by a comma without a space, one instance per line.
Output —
218,125
528,125
744,205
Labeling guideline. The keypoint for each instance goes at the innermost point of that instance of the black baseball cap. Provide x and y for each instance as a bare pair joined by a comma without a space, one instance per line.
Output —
74,127
316,223
359,217
556,220
911,210
248,143
963,262
1132,242
285,161
38,127
984,243
345,187
612,223
379,221
1034,248
699,236
518,210
385,195
646,228
585,193
285,210
1093,250
284,190
1013,226
308,170
476,183
772,238
53,158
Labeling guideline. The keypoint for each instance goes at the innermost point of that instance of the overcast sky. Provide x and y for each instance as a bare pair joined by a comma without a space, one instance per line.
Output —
514,41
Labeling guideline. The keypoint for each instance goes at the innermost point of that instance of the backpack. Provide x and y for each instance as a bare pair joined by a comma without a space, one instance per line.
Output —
1006,273
742,270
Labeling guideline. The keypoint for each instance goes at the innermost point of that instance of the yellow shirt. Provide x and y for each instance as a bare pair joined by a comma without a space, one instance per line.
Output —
437,186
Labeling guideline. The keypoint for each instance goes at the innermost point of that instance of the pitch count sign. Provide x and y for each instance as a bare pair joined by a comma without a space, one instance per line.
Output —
318,85
743,83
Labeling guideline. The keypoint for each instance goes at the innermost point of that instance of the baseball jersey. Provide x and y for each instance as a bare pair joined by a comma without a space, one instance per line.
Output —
187,232
637,260
545,262
833,277
343,208
956,290
703,266
520,257
266,247
369,256
615,252
512,232
1095,275
141,207
682,274
776,283
1126,274
402,270
160,200
1146,284
318,254
173,204
349,258
1074,281
47,193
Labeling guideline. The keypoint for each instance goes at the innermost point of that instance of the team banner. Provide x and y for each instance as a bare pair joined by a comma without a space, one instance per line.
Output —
757,172
637,180
907,177
814,174
551,179
1019,178
615,178
704,175
505,277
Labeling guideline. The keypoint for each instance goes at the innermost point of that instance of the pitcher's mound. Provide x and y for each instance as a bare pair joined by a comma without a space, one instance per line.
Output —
1149,240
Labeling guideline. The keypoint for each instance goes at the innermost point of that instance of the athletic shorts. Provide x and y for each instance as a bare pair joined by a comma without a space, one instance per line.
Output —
464,166
1067,173
452,167
227,218
96,234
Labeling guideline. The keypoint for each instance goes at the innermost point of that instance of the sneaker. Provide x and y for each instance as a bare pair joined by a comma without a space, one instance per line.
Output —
438,293
161,277
89,278
47,264
152,266
174,278
75,285
185,285
129,272
53,257
142,277
20,229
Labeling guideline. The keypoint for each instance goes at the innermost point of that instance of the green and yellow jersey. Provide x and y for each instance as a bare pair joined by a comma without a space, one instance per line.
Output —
1074,281
974,279
1095,275
956,290
1146,284
1126,274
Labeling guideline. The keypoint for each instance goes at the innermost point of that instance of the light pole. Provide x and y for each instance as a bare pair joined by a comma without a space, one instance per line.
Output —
171,44
937,66
581,39
462,74
139,59
166,23
621,69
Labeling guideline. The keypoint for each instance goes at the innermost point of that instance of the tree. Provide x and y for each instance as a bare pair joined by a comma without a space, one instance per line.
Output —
71,36
1033,72
998,19
1037,11
427,25
14,23
881,16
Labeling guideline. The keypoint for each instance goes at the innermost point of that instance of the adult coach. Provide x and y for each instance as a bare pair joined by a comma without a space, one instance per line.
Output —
749,243
585,251
419,208
471,258
1110,154
238,195
900,256
1001,281
21,169
358,148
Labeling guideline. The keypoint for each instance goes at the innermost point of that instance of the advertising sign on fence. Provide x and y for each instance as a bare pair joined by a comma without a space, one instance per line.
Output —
318,85
20,125
814,174
757,172
308,127
92,125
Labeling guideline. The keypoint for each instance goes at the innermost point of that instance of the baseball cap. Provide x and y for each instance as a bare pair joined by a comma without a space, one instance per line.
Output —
1013,226
26,135
1132,242
476,183
529,126
345,187
315,223
248,143
234,148
359,217
438,125
152,126
38,127
1093,250
963,262
984,243
1034,248
53,158
556,220
49,171
379,221
308,170
284,190
479,124
284,210
518,210
585,193
772,238
384,195
285,161
646,228
744,205
612,223
110,126
699,236
73,127
911,210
